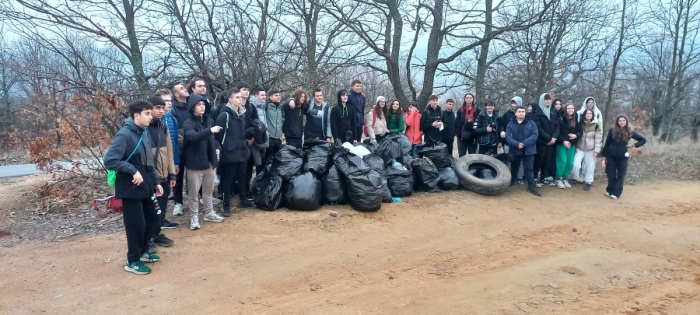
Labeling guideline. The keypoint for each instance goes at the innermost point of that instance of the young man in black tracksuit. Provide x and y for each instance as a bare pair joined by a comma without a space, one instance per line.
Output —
343,120
486,129
131,157
431,121
449,121
547,121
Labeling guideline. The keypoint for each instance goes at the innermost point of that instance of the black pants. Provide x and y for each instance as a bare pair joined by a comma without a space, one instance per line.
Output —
177,193
163,204
542,161
360,132
616,169
527,161
552,168
232,173
450,143
141,223
379,138
272,149
488,149
294,141
466,145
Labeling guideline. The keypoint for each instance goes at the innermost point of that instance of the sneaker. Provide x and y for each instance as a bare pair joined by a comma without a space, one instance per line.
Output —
249,196
152,247
137,267
178,209
607,194
169,225
560,183
245,203
521,181
613,197
539,184
149,257
587,187
215,201
213,217
566,183
162,240
226,213
194,223
547,181
534,191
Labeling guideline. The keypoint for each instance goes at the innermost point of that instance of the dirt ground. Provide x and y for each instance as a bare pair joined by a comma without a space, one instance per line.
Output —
570,252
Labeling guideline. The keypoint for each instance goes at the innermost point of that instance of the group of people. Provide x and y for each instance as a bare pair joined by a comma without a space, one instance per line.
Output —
179,137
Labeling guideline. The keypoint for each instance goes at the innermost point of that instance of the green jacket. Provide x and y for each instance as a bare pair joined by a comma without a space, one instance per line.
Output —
395,125
273,117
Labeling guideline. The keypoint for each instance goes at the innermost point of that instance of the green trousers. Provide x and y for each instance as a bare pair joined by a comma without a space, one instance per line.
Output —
565,160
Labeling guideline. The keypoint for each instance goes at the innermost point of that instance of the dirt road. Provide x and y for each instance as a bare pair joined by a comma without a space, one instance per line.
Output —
569,252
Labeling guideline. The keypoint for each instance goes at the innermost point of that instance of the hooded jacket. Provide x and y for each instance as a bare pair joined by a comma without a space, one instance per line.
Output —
181,114
565,129
429,116
232,138
413,130
123,144
525,133
293,125
199,144
592,138
357,100
508,115
312,129
483,137
274,116
465,122
547,122
597,115
343,122
173,127
162,148
259,108
449,121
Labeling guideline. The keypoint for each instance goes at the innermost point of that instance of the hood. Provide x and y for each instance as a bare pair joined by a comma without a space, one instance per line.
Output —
595,105
339,93
518,100
194,99
241,109
179,105
543,108
256,102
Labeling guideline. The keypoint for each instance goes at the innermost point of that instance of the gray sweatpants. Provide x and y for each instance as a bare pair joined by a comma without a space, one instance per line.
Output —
195,180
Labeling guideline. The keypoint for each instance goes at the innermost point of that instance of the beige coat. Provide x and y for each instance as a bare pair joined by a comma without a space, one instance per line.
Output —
378,128
592,138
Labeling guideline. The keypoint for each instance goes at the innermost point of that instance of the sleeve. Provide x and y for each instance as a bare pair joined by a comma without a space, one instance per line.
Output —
509,136
171,161
481,130
604,152
532,138
353,123
114,158
402,124
598,140
221,122
640,140
563,133
368,125
334,122
424,124
408,117
557,127
540,131
329,124
579,130
194,136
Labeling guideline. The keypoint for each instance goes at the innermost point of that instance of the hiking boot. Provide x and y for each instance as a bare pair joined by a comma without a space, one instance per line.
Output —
137,267
152,247
213,217
194,223
560,183
149,257
245,203
613,197
169,225
587,187
162,240
178,209
534,191
539,184
566,183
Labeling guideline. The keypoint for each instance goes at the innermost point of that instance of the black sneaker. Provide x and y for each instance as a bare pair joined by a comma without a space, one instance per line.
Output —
245,203
162,240
249,197
169,225
587,187
152,247
226,213
534,191
547,182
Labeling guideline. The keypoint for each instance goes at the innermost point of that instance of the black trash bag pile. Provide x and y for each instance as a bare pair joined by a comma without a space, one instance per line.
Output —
348,163
391,148
437,152
376,164
368,144
269,195
287,162
318,158
334,189
365,190
303,192
399,180
425,175
448,179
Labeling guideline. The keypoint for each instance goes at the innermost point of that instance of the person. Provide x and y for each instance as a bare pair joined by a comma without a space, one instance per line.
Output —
318,124
343,120
395,121
413,130
172,123
251,114
431,120
466,117
449,130
521,136
273,116
486,129
557,107
548,133
616,154
201,151
197,86
507,117
570,132
530,107
162,148
131,157
293,125
259,100
235,152
357,100
587,149
375,120
589,103
181,115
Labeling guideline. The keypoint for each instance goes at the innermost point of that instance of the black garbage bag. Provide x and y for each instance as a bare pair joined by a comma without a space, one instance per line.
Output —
348,163
334,189
287,162
318,158
365,191
426,175
400,181
303,192
437,152
390,147
406,145
368,144
448,179
376,164
259,181
269,195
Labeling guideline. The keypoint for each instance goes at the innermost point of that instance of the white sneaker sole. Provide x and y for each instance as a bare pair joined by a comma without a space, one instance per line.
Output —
196,227
129,269
213,220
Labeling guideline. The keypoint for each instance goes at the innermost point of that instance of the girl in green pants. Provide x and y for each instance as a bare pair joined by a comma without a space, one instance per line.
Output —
566,148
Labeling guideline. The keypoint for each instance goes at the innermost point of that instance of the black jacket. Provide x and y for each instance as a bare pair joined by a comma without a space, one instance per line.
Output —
180,112
199,145
449,120
565,129
428,117
546,128
464,124
616,148
232,138
293,126
141,161
343,122
483,137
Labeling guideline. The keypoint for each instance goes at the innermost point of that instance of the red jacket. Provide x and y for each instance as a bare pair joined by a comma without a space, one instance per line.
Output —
413,131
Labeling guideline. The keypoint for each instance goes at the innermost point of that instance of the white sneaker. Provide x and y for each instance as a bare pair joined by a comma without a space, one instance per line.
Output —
194,223
215,201
607,194
566,183
213,217
560,183
178,209
613,197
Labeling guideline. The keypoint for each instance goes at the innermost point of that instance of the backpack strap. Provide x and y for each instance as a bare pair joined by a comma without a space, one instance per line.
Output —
225,129
374,117
136,148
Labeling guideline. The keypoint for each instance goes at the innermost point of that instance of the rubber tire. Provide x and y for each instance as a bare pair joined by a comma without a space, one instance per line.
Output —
489,187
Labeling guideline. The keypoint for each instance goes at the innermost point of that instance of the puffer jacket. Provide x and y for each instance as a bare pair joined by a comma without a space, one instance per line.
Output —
232,137
162,148
173,128
592,138
483,137
375,126
413,131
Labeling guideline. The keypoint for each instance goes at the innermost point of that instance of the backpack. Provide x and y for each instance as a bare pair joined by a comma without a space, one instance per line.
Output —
374,120
112,174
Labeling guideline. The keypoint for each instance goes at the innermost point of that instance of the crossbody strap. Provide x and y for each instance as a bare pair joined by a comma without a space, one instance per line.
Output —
224,139
136,148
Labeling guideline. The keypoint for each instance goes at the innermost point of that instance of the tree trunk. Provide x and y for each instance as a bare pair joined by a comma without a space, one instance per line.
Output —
482,64
616,59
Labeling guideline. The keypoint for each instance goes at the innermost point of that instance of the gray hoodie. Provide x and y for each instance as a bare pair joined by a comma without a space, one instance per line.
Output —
518,100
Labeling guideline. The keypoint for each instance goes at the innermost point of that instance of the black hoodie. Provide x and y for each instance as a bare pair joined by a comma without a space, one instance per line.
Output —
231,138
199,145
293,126
124,143
449,120
343,122
431,115
547,128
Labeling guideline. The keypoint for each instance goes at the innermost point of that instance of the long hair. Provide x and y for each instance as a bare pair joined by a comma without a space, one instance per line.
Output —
297,98
399,112
565,114
622,133
381,113
464,103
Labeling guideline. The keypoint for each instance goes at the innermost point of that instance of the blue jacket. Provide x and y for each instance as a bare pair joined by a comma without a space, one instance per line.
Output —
358,101
173,126
525,133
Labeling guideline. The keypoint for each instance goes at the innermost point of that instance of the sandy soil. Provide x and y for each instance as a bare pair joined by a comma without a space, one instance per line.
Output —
569,252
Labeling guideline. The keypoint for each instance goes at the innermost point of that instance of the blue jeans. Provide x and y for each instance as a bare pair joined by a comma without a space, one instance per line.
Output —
528,161
414,151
